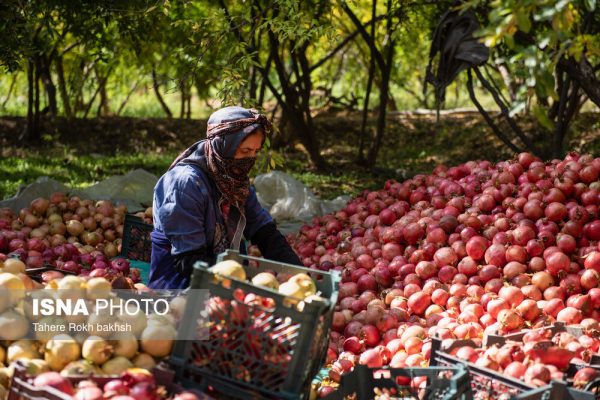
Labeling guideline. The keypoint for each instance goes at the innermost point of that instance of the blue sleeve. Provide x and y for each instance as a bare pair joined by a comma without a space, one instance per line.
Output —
256,216
181,212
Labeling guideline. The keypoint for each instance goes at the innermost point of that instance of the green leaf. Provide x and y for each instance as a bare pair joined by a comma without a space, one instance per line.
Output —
544,42
561,4
530,62
542,117
518,107
590,4
546,14
510,42
523,21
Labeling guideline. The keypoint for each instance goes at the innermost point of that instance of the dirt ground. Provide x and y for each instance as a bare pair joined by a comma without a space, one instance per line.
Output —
413,142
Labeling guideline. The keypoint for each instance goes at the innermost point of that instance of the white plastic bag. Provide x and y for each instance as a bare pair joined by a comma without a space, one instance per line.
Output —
287,199
134,189
42,187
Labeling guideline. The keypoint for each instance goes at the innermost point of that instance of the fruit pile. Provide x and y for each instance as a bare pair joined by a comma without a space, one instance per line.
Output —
468,249
56,348
74,235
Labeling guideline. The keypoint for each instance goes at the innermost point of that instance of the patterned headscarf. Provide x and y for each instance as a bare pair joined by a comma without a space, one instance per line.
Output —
229,174
226,129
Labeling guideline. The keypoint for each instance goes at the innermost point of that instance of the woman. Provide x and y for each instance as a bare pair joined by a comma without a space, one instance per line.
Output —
204,203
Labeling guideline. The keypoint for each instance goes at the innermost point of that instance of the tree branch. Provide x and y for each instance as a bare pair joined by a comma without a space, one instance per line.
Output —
70,47
368,39
487,117
505,111
10,89
491,79
124,102
343,43
583,74
559,127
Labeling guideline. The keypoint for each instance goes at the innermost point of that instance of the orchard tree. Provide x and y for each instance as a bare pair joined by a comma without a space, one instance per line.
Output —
545,58
39,35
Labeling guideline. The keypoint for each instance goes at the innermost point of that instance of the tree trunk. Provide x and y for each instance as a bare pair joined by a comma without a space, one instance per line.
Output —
89,106
365,114
79,104
529,145
49,86
559,125
568,104
156,87
299,125
363,126
381,117
103,106
188,114
300,129
183,99
29,130
384,89
253,87
62,88
385,68
10,90
263,84
36,109
292,105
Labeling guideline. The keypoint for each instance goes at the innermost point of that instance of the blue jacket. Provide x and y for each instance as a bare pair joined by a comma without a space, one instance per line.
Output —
185,213
188,223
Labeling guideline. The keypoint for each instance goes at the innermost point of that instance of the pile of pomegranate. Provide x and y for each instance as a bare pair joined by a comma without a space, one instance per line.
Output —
78,236
475,248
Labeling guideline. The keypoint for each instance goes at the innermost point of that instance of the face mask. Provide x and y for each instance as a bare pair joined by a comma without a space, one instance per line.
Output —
240,167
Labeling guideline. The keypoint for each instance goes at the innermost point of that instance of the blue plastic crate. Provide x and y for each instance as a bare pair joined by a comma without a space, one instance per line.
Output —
144,268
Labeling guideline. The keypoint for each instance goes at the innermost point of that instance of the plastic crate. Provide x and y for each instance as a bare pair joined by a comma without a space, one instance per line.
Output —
554,392
136,244
364,383
485,383
558,390
269,353
22,388
557,327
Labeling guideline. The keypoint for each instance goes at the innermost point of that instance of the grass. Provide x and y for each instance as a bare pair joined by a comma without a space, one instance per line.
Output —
82,171
329,186
74,171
